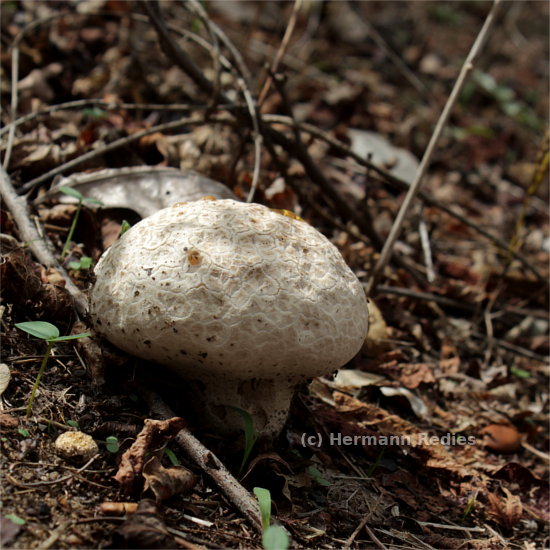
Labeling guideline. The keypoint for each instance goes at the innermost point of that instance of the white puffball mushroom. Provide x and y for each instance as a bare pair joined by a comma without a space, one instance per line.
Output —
243,299
76,446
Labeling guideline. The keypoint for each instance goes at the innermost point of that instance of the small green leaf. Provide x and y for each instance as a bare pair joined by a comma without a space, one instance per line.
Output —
72,423
39,329
85,262
72,192
123,228
24,432
74,265
520,373
87,200
469,506
317,476
275,538
112,444
264,500
250,436
71,337
171,456
15,519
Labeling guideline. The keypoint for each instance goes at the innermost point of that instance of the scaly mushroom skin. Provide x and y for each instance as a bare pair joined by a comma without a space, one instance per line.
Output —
242,299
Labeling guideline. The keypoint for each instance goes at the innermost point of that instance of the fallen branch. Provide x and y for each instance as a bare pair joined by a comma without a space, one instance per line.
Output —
208,462
37,243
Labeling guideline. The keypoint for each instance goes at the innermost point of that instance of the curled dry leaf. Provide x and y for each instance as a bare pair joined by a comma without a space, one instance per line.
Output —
143,189
150,441
501,438
163,482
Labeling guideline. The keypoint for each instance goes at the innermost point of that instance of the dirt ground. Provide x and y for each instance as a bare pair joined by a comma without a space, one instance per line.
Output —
436,434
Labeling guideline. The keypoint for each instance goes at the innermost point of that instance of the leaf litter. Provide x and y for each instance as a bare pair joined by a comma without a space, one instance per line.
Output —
463,356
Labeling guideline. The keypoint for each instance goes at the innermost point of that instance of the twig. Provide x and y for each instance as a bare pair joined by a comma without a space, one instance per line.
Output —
281,51
184,62
208,462
299,150
536,452
363,525
426,249
115,145
15,78
426,159
108,106
402,185
39,245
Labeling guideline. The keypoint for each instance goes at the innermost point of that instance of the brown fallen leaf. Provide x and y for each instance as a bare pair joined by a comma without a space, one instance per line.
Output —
163,482
506,511
150,441
501,438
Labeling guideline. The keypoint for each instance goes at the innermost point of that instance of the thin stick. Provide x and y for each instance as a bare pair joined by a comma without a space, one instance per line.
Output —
467,67
281,51
15,78
38,244
401,185
112,146
209,463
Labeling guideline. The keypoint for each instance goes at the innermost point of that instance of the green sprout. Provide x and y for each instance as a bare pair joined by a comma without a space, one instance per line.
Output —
50,333
469,507
81,200
124,226
82,264
112,444
274,537
250,435
317,476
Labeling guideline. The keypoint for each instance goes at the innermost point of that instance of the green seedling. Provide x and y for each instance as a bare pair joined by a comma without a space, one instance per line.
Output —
72,424
520,373
171,457
15,519
81,200
317,476
82,264
49,333
274,537
24,432
250,435
469,507
112,444
124,226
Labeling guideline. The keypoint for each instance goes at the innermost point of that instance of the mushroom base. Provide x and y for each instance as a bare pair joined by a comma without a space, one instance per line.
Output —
266,400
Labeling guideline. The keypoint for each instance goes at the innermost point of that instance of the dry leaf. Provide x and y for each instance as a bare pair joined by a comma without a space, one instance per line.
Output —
166,482
150,441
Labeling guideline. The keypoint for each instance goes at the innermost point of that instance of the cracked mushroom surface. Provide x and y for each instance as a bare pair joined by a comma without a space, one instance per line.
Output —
244,300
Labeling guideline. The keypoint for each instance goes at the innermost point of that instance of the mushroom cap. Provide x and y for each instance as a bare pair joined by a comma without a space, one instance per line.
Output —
222,289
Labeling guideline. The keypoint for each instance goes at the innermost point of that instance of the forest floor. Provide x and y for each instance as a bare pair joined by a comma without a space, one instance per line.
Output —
458,370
